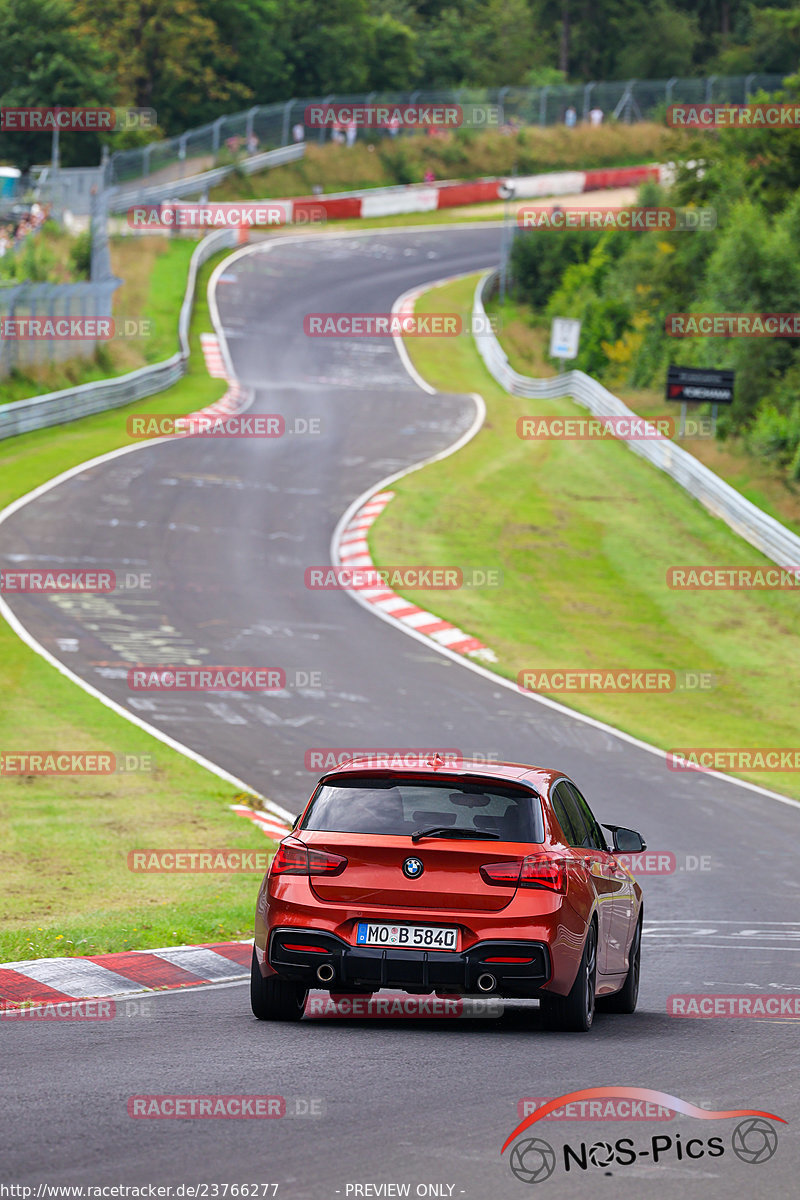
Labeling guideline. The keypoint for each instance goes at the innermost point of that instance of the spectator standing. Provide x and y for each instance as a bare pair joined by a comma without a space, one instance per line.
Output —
596,116
570,118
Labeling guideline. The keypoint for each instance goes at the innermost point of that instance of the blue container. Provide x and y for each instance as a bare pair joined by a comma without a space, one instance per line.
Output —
9,181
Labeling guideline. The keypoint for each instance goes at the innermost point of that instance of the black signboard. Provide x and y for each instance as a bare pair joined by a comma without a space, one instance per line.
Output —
701,385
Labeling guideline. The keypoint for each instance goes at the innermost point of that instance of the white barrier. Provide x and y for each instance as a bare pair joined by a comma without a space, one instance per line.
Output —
556,183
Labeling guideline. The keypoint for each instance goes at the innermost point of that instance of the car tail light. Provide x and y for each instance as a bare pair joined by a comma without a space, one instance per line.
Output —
540,871
535,871
293,857
310,949
503,874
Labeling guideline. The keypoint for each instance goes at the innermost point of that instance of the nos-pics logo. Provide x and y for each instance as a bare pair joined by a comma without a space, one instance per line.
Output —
754,1139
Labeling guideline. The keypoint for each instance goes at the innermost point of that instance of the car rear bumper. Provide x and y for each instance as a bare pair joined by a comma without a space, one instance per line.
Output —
374,967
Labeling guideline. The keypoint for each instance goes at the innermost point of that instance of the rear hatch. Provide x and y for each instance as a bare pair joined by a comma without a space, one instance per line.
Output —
464,826
451,877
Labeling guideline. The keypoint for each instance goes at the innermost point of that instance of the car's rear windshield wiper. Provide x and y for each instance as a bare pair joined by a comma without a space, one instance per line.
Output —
452,831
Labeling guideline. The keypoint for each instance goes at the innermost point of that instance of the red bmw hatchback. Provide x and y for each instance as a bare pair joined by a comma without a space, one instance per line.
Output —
461,881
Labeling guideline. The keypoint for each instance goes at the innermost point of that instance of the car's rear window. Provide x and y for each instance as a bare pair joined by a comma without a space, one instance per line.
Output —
390,806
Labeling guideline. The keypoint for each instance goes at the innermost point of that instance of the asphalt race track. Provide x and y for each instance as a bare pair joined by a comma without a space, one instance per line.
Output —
227,529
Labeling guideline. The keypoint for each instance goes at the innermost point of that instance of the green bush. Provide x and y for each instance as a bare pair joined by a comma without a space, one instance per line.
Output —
80,255
539,258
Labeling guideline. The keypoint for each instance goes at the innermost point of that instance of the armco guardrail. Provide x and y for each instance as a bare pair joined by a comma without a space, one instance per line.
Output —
756,527
56,408
121,199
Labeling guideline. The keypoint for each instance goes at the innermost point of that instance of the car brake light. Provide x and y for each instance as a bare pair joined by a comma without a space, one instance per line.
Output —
293,857
503,874
539,871
535,871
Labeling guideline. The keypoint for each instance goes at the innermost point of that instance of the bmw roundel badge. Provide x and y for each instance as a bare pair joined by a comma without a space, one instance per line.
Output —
413,868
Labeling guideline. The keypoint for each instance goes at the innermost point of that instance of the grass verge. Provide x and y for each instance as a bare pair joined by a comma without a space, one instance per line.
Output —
464,154
525,337
583,533
66,887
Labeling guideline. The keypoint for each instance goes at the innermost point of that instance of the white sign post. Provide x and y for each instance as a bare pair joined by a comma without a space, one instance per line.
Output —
565,335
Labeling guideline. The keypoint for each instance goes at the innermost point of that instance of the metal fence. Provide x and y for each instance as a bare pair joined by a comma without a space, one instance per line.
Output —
56,408
51,301
272,124
68,188
122,198
756,527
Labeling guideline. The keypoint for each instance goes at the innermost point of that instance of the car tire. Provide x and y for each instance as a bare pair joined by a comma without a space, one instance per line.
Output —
624,1001
574,1013
273,998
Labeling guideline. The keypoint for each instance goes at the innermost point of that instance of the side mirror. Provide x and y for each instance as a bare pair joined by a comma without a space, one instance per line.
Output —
626,841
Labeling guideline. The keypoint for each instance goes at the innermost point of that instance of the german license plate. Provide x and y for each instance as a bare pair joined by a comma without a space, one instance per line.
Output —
407,937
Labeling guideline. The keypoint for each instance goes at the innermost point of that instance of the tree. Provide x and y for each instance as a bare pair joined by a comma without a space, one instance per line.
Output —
168,56
661,43
248,30
392,57
505,44
327,47
446,47
44,61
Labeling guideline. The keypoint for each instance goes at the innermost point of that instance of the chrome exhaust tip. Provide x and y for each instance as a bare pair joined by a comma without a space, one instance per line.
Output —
486,982
325,973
